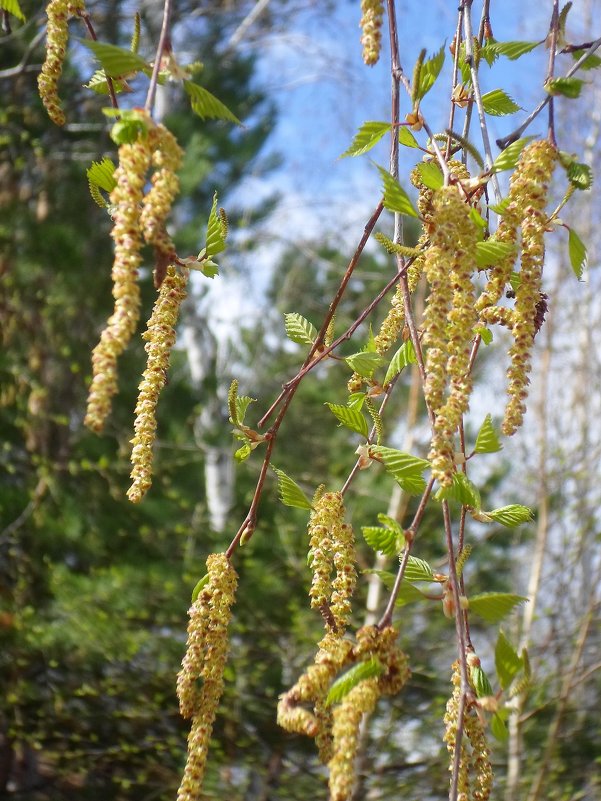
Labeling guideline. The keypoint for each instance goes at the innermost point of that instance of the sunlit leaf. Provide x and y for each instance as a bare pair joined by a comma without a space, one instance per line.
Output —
395,197
406,137
498,103
485,334
216,231
368,135
590,63
567,87
491,252
430,174
578,253
115,61
487,440
428,74
13,7
102,174
461,490
349,680
299,329
206,105
406,469
365,363
384,540
200,584
498,728
349,417
418,570
494,606
512,515
404,356
480,682
507,662
508,158
580,175
512,50
290,493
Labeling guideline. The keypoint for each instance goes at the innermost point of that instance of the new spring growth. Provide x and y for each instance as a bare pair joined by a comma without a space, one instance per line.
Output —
200,681
475,770
166,159
449,321
331,548
57,35
125,199
160,338
372,13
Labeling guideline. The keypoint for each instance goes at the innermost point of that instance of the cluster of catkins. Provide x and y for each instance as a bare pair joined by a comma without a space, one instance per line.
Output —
200,681
304,708
57,35
475,777
140,218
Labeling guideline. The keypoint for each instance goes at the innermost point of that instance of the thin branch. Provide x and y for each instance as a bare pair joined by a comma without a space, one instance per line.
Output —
161,47
22,65
553,34
109,81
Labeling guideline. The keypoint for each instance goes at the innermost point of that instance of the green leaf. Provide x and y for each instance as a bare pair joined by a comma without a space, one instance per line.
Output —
299,329
498,103
480,682
406,137
206,105
430,174
491,252
242,404
461,490
487,440
428,74
507,662
13,7
568,87
243,453
494,606
477,218
200,584
404,356
395,197
580,175
101,174
418,570
99,84
590,63
216,231
392,524
408,593
356,400
364,363
498,728
369,669
368,135
406,469
512,50
512,515
115,61
485,334
578,253
290,493
384,540
508,158
499,208
351,418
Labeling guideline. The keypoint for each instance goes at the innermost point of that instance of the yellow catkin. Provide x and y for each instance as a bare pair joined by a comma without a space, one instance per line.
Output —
134,160
203,664
331,549
372,13
166,160
536,168
160,336
57,35
449,321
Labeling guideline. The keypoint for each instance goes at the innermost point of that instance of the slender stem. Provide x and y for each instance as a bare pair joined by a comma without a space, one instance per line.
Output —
156,67
109,81
553,32
455,82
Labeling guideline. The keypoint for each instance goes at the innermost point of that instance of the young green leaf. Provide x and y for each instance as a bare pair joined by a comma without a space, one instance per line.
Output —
507,662
480,682
512,50
365,363
461,490
418,570
242,404
199,585
487,440
98,84
13,7
384,540
408,593
356,400
290,493
369,669
115,61
392,524
577,252
406,469
404,356
206,105
395,197
429,72
590,63
512,515
368,135
299,329
498,728
494,606
351,418
406,137
568,87
101,174
508,158
430,174
499,208
485,334
216,231
491,252
498,103
243,452
477,218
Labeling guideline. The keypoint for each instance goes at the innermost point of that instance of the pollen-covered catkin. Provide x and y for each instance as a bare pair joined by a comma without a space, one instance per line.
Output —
449,321
160,336
205,660
535,171
331,548
372,12
57,35
166,159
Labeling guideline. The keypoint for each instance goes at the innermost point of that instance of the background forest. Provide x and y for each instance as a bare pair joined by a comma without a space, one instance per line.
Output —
94,591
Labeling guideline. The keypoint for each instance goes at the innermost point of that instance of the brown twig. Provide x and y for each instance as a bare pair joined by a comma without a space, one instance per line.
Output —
553,34
156,67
